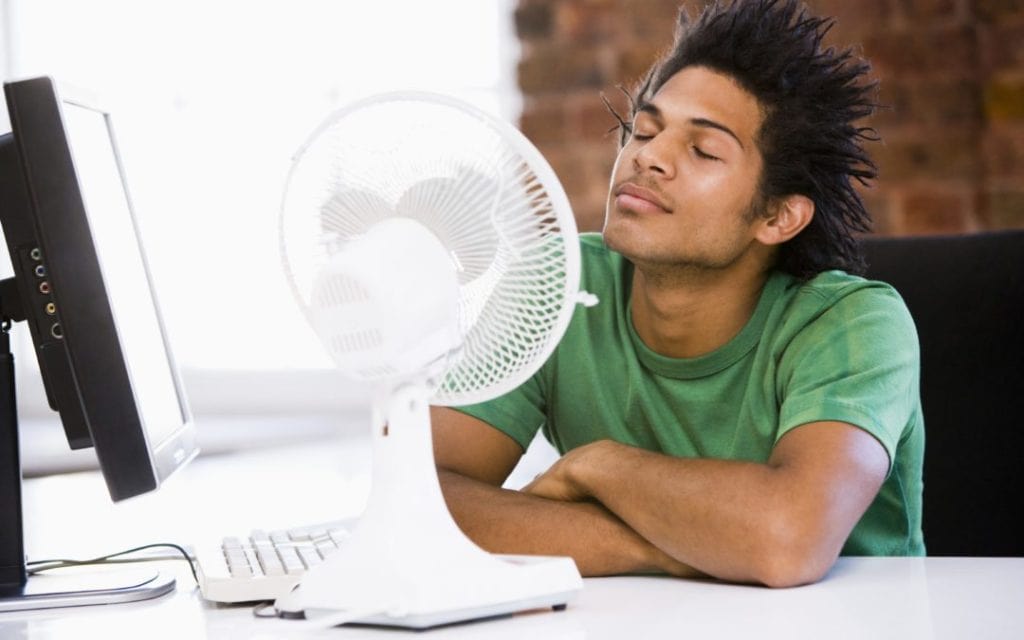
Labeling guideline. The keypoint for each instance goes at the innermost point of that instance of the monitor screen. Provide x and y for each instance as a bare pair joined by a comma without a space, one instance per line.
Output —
86,291
159,397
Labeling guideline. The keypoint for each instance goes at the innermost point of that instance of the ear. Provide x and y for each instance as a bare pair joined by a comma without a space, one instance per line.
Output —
787,217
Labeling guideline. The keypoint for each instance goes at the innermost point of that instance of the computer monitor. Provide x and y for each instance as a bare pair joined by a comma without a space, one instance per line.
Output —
82,285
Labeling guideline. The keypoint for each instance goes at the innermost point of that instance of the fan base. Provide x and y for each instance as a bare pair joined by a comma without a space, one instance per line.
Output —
407,564
542,583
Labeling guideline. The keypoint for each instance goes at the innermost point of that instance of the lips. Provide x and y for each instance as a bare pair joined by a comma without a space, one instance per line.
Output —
640,199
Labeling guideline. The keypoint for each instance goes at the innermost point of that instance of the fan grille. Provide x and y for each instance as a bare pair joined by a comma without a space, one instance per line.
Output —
481,188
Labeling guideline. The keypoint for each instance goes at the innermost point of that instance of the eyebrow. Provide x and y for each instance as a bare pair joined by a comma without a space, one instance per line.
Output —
651,109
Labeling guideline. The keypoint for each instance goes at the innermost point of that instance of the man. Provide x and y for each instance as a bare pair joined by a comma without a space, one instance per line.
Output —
738,405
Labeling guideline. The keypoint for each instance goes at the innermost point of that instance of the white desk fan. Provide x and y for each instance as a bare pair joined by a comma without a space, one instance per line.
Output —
435,254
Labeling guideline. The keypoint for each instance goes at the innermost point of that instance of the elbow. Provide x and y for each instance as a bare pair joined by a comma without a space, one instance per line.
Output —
793,556
784,573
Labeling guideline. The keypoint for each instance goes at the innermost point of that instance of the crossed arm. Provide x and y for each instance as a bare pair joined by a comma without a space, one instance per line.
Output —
618,509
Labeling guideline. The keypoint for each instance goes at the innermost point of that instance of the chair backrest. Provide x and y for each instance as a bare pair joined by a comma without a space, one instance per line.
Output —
966,294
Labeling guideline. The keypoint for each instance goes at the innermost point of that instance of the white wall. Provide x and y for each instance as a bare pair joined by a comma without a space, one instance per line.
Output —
210,100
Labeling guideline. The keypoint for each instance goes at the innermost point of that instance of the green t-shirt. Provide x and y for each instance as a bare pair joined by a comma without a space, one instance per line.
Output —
836,347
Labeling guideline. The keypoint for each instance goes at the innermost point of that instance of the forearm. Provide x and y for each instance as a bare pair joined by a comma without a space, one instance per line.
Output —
720,516
504,521
738,521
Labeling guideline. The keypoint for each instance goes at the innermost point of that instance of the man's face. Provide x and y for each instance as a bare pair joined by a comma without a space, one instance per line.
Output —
683,185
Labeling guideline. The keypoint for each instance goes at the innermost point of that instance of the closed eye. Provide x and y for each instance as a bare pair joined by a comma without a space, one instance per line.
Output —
704,156
645,134
632,132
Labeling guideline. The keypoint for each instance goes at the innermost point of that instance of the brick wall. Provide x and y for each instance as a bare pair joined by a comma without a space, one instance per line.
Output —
952,72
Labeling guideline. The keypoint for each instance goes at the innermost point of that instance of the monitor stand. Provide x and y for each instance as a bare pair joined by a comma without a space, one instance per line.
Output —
46,591
65,587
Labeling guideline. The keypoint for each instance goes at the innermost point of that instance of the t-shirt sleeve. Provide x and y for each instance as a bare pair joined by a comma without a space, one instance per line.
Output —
519,413
857,362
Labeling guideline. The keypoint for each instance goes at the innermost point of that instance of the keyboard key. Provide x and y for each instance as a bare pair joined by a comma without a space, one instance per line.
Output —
259,536
235,556
269,560
254,562
325,547
238,565
291,560
267,563
310,557
279,537
339,536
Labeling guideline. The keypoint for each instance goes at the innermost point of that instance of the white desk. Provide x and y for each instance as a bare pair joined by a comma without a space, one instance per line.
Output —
861,598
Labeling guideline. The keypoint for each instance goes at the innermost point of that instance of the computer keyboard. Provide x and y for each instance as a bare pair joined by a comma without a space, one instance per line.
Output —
265,564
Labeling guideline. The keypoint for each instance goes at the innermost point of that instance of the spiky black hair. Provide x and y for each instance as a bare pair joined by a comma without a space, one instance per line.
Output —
812,98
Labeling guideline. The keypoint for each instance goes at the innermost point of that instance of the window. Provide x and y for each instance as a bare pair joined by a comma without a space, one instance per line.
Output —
210,100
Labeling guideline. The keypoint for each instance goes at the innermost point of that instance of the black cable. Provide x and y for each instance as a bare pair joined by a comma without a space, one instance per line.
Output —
258,610
60,563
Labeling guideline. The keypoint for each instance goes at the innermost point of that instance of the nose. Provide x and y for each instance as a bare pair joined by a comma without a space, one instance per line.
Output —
655,156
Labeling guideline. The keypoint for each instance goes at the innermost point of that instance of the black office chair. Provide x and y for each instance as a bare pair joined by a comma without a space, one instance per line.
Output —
966,294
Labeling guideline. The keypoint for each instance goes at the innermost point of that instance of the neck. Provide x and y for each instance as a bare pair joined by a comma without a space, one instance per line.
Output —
686,313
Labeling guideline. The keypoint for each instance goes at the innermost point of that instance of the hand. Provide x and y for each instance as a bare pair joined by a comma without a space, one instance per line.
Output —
563,480
555,484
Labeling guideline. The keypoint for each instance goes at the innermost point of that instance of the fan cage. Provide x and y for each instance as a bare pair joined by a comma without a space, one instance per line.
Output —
481,187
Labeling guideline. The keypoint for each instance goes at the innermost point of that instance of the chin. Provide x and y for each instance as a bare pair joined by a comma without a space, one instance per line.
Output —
610,233
621,234
625,240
